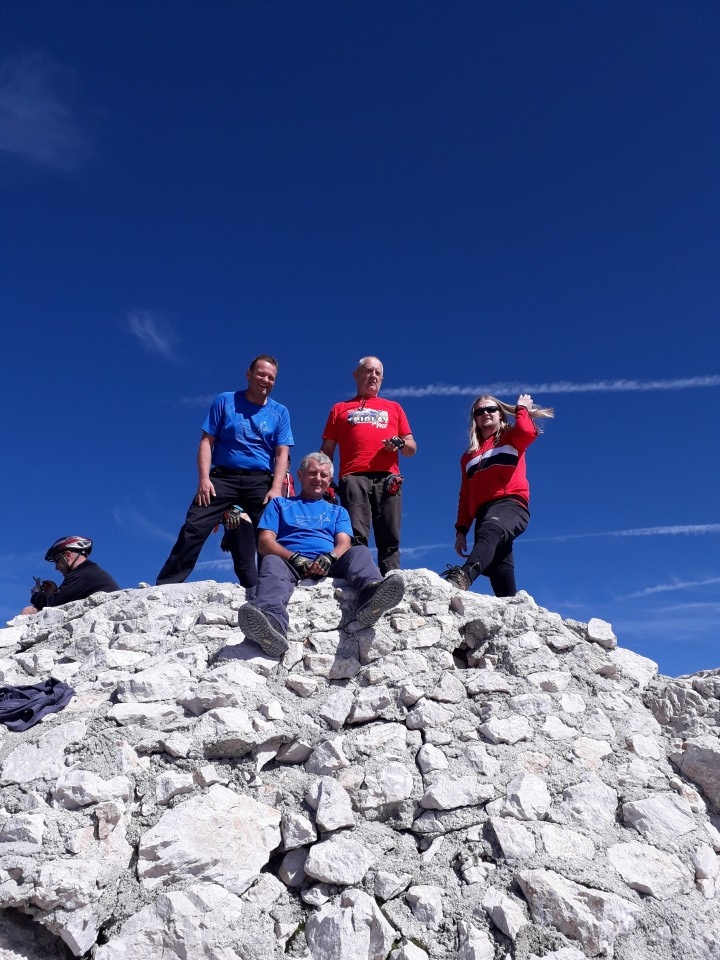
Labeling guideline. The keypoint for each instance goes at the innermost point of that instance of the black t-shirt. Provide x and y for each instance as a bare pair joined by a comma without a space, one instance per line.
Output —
85,579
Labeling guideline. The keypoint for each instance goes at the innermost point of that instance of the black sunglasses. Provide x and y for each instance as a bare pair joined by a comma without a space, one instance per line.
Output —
479,411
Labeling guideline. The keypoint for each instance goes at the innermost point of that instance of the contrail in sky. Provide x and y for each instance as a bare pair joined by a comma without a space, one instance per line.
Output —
557,386
668,587
692,529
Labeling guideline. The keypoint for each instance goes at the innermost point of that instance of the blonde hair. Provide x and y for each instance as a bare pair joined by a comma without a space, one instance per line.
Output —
506,410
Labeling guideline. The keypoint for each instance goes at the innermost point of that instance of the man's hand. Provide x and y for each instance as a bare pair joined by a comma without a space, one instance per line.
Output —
524,400
300,564
461,545
272,493
48,586
394,443
234,516
322,565
205,493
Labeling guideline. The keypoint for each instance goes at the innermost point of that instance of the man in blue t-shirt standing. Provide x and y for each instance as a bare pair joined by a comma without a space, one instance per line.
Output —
309,537
242,461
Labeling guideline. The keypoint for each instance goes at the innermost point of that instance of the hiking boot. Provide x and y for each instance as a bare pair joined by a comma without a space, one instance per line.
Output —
262,630
379,597
457,577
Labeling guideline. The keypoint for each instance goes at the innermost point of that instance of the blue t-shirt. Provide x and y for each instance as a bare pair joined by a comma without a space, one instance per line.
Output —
245,434
305,526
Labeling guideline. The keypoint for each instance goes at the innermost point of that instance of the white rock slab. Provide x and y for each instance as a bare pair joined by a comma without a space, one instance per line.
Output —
648,870
449,793
639,669
510,730
340,860
507,914
45,759
223,836
516,841
473,943
527,798
566,844
182,924
601,632
332,805
80,788
425,901
351,926
660,818
390,783
593,917
591,804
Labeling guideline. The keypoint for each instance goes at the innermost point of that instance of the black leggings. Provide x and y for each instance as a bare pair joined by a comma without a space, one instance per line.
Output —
497,524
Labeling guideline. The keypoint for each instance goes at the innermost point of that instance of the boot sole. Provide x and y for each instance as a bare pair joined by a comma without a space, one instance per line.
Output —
388,595
256,627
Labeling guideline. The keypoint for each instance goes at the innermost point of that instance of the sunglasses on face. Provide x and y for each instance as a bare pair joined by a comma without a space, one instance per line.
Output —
479,411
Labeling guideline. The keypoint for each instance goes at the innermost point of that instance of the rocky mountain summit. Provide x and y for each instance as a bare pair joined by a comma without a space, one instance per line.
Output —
473,778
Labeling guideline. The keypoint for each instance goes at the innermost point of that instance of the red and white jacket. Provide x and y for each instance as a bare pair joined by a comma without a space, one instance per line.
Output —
492,472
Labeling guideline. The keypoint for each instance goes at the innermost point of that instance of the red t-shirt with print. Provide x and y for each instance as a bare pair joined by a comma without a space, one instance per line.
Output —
359,428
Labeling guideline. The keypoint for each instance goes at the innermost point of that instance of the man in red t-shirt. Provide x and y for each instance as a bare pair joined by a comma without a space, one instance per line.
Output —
370,432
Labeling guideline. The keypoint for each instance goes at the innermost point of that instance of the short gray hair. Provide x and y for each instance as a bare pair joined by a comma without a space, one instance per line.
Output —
321,458
363,362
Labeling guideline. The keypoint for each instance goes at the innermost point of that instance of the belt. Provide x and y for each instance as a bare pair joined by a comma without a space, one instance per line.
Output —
239,472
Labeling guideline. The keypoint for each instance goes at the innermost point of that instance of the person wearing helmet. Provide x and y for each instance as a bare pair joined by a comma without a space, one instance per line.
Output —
81,576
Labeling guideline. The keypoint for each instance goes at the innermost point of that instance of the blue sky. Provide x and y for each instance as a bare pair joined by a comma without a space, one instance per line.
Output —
501,197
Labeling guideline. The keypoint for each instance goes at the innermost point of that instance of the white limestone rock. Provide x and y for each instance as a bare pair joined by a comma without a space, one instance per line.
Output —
223,836
660,818
350,926
515,840
527,798
473,943
389,782
332,805
425,901
339,860
506,913
591,916
648,870
639,669
591,804
563,843
45,759
430,758
449,793
700,763
80,788
600,632
297,831
389,885
178,925
512,730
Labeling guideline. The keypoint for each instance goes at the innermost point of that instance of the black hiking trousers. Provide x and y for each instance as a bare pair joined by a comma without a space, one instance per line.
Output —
247,489
497,525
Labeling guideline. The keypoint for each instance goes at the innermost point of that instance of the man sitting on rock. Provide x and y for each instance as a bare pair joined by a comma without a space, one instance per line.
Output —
82,577
307,537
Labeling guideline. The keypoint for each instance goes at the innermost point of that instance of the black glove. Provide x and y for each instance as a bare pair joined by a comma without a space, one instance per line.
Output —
325,560
41,591
300,564
233,517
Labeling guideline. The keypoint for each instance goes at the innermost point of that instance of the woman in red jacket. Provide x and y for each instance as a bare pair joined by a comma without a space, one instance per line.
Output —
494,492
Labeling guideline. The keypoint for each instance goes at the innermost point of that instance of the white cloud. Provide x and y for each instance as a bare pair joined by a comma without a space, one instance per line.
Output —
557,386
203,400
219,564
671,587
154,335
132,520
36,120
688,529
